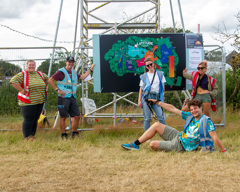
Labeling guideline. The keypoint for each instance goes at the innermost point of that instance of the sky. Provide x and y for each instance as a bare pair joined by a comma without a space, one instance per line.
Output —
22,23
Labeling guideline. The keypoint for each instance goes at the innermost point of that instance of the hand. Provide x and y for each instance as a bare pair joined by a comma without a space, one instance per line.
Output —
92,67
61,93
153,100
140,104
184,71
225,150
23,92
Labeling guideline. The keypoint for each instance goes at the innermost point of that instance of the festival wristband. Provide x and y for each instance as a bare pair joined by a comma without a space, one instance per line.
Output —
225,150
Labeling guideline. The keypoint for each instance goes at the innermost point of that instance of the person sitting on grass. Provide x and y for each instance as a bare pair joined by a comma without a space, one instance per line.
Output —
199,131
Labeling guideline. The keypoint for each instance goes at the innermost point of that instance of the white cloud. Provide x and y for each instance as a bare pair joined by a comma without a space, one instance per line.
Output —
39,18
11,9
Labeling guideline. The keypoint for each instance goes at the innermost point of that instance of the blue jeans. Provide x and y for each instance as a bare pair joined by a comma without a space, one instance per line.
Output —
147,112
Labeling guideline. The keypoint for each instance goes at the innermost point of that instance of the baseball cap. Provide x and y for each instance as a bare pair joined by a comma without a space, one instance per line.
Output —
70,58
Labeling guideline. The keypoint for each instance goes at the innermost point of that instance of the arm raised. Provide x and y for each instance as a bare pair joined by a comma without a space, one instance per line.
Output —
167,107
87,73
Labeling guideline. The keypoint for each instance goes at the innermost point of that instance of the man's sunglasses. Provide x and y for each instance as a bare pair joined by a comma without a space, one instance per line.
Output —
201,68
149,65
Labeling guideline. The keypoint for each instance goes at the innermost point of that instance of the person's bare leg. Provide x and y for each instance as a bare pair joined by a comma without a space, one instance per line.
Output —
155,128
62,124
75,121
206,109
154,145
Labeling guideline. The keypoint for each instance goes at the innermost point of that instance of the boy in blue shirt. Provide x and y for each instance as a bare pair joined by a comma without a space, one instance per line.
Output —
199,130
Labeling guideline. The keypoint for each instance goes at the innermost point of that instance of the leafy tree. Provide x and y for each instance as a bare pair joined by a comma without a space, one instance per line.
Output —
231,88
57,64
8,69
171,30
213,55
233,58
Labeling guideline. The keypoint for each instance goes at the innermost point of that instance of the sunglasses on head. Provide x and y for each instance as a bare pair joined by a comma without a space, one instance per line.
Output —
149,65
200,68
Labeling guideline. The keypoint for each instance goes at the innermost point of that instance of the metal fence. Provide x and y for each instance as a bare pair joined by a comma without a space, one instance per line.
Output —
19,55
115,100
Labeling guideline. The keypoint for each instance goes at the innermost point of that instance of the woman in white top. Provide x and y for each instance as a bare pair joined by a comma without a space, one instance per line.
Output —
151,87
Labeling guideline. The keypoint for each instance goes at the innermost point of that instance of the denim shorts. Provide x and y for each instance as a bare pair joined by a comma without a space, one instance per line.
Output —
204,98
171,140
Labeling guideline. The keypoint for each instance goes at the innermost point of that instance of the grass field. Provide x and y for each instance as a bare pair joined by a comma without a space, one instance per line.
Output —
96,162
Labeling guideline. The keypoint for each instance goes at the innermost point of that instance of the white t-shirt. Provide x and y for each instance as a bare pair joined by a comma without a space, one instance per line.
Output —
155,85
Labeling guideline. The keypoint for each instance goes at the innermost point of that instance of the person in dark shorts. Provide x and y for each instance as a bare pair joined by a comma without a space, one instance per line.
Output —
67,80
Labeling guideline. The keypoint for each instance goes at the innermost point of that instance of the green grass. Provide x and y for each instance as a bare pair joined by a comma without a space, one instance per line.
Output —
104,137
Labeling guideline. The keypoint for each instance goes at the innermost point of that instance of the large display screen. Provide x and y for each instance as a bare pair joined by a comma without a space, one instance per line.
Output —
120,59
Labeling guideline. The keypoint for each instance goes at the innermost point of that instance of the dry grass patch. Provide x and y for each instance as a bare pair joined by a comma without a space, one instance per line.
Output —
96,162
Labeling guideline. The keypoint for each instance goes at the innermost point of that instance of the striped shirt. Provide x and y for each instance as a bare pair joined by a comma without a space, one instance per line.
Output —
36,87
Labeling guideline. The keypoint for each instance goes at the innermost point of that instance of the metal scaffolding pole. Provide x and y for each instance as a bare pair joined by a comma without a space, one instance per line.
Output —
55,39
75,35
180,10
174,26
103,24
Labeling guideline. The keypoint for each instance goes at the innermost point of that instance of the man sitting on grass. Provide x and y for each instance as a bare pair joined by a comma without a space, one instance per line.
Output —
199,130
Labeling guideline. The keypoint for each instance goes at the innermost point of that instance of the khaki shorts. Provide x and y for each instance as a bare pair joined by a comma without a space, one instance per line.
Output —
171,140
204,98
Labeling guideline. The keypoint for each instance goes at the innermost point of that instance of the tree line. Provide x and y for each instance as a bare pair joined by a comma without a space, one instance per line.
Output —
9,105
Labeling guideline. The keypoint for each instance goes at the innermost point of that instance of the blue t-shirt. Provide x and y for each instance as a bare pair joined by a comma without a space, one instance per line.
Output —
191,138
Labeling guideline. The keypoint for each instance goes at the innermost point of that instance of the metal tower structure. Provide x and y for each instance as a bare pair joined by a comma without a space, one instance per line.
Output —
86,16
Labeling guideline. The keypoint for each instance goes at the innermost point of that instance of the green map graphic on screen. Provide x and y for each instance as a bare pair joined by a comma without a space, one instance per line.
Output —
128,57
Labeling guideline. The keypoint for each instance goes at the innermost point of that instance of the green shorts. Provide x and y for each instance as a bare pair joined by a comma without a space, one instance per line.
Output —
204,98
171,140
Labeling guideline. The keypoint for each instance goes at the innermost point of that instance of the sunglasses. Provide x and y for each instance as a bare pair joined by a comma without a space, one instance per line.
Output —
200,68
149,65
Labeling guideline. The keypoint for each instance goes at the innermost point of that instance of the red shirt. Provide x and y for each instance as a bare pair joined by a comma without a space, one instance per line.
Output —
59,75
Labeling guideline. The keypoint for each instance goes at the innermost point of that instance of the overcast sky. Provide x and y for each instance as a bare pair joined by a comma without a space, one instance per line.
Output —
38,18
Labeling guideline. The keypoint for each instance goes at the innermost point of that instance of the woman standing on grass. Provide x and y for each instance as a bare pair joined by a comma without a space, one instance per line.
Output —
151,87
204,88
31,85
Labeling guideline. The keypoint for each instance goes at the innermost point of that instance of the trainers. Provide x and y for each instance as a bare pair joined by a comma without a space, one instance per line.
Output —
75,134
64,136
130,146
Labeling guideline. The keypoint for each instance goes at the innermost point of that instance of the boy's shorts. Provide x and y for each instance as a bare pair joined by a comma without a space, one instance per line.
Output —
171,140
